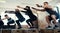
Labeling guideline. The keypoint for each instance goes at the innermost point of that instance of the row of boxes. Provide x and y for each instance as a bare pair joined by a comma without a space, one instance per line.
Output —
20,31
49,31
31,31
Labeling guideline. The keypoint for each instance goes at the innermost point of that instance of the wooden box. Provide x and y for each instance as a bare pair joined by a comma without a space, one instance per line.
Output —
57,31
6,31
46,31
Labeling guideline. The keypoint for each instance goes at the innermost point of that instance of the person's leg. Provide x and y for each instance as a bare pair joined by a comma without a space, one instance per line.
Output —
59,18
1,26
54,18
28,22
17,21
35,23
10,22
47,19
31,23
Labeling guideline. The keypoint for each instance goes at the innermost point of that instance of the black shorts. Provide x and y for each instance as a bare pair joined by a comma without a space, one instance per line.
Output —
50,18
11,22
1,22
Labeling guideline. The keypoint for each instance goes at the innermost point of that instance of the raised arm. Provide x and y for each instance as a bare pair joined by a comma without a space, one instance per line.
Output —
23,11
38,9
21,7
12,12
50,7
3,18
38,5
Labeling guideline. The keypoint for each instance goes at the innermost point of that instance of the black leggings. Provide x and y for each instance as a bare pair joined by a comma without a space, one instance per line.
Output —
32,23
29,22
1,24
18,23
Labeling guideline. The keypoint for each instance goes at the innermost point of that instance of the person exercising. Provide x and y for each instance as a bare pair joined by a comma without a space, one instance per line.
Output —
1,23
18,15
32,22
48,9
10,20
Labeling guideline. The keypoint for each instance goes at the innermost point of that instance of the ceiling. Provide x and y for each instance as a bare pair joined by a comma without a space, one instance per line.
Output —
13,3
5,4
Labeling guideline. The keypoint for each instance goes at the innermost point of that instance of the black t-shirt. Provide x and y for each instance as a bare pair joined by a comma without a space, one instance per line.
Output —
30,14
19,16
50,11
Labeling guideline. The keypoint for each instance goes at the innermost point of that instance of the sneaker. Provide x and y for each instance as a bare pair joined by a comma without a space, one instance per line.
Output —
56,26
49,27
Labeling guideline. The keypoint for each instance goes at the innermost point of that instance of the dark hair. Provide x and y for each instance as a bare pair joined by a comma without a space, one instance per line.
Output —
28,6
46,2
6,15
16,9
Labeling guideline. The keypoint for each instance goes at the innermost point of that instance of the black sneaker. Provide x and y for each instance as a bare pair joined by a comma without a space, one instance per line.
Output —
56,26
49,27
19,27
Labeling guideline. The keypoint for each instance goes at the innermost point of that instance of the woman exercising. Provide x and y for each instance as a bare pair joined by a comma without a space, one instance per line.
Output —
32,22
10,20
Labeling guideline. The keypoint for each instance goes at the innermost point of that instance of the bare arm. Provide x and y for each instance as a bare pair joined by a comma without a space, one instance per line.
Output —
50,7
21,7
38,5
12,12
3,18
23,11
38,9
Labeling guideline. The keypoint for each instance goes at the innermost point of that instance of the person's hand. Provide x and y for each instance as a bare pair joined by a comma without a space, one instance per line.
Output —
5,11
38,5
32,7
18,7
